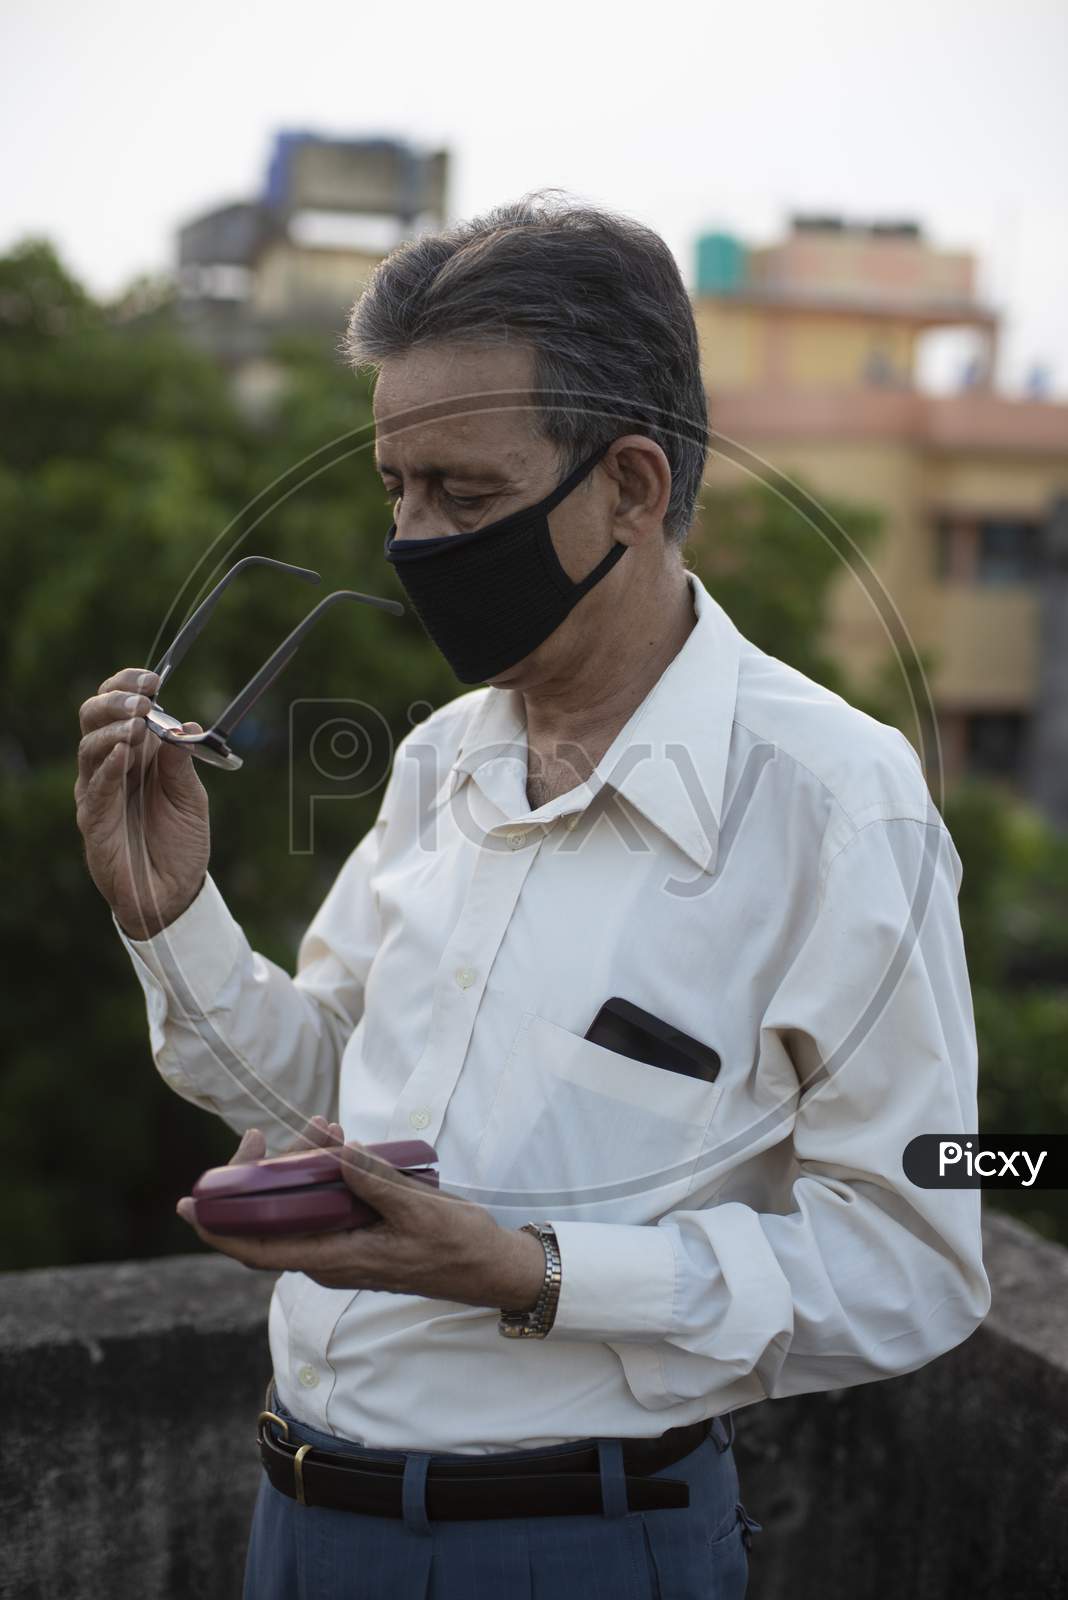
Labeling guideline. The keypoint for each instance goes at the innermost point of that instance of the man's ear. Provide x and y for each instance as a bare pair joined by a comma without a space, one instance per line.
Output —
642,474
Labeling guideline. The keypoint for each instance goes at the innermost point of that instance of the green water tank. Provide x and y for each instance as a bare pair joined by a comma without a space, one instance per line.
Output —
720,263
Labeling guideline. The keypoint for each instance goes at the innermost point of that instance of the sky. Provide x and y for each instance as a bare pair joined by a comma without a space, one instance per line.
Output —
120,120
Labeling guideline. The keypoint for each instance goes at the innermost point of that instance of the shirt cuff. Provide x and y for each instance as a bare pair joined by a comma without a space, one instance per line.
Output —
617,1282
195,954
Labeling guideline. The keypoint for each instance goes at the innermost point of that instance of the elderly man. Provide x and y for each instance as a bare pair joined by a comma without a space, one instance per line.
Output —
653,938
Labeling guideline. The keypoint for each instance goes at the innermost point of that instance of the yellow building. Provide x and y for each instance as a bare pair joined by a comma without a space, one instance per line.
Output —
810,352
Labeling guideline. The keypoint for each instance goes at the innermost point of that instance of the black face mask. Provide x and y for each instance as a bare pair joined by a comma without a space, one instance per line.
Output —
489,597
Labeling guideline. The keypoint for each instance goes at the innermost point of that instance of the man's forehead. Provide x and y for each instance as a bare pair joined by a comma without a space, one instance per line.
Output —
450,372
459,440
458,390
457,410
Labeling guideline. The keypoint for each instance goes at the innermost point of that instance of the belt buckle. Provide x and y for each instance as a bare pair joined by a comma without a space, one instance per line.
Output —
298,1459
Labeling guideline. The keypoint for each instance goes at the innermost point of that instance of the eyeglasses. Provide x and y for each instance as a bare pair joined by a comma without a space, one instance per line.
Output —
213,746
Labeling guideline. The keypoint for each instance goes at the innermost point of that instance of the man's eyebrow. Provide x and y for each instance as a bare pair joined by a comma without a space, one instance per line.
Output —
468,471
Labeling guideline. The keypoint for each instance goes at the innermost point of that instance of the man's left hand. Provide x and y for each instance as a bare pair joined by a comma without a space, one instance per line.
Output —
426,1243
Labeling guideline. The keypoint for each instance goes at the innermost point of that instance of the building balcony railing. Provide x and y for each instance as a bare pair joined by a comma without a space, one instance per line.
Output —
961,423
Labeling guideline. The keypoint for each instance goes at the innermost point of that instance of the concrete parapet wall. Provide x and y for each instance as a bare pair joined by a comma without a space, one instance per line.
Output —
129,1469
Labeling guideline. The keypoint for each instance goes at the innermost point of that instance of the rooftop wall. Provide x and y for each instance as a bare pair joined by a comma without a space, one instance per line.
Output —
129,1468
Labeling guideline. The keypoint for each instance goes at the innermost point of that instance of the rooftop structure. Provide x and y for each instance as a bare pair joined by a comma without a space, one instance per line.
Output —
297,254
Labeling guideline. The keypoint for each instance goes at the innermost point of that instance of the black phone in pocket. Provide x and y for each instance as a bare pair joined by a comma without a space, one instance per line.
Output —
629,1031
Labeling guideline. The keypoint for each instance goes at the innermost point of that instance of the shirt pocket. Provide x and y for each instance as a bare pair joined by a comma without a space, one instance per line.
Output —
577,1131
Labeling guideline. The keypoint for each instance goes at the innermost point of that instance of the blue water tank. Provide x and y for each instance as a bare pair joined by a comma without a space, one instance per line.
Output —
720,264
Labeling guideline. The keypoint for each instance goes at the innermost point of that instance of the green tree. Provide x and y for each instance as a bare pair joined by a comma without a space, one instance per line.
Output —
770,553
129,479
1014,911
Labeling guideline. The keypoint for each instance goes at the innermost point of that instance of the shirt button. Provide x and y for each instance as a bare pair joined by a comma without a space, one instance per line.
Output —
517,838
309,1377
419,1118
465,977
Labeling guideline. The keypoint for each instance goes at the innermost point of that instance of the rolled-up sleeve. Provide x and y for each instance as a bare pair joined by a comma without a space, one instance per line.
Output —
867,1275
238,1036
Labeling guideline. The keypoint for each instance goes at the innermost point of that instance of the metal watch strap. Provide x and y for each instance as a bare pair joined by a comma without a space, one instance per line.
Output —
536,1324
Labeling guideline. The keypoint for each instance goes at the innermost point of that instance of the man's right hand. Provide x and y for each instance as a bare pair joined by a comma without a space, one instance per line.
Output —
142,810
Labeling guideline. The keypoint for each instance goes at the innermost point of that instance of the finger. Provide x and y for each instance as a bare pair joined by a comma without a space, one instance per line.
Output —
98,745
115,706
177,759
317,1133
137,679
308,1253
322,1252
313,1135
102,796
375,1181
250,1251
253,1147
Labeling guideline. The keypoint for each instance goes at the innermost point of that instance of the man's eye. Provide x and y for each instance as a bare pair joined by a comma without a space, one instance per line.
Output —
465,502
393,498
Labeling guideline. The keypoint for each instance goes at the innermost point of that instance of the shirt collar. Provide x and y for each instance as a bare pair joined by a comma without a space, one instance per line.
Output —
669,760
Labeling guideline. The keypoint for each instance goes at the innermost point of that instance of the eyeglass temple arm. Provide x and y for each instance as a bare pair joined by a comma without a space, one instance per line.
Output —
186,635
243,702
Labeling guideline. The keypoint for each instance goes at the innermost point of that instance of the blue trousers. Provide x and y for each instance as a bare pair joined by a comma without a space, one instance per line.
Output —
697,1553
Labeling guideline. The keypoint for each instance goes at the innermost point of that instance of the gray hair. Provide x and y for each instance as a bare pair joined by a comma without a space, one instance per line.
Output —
596,297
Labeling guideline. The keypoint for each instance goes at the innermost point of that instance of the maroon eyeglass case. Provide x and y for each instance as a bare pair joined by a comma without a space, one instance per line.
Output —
301,1192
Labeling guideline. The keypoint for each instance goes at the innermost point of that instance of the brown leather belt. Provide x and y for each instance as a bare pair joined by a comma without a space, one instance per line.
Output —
564,1482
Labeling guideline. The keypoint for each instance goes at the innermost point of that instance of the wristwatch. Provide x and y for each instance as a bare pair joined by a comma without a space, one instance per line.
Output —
536,1324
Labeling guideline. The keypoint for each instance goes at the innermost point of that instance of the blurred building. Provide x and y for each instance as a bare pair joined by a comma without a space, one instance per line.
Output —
812,350
296,256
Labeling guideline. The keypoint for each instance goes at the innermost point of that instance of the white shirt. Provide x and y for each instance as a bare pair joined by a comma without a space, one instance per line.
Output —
756,862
